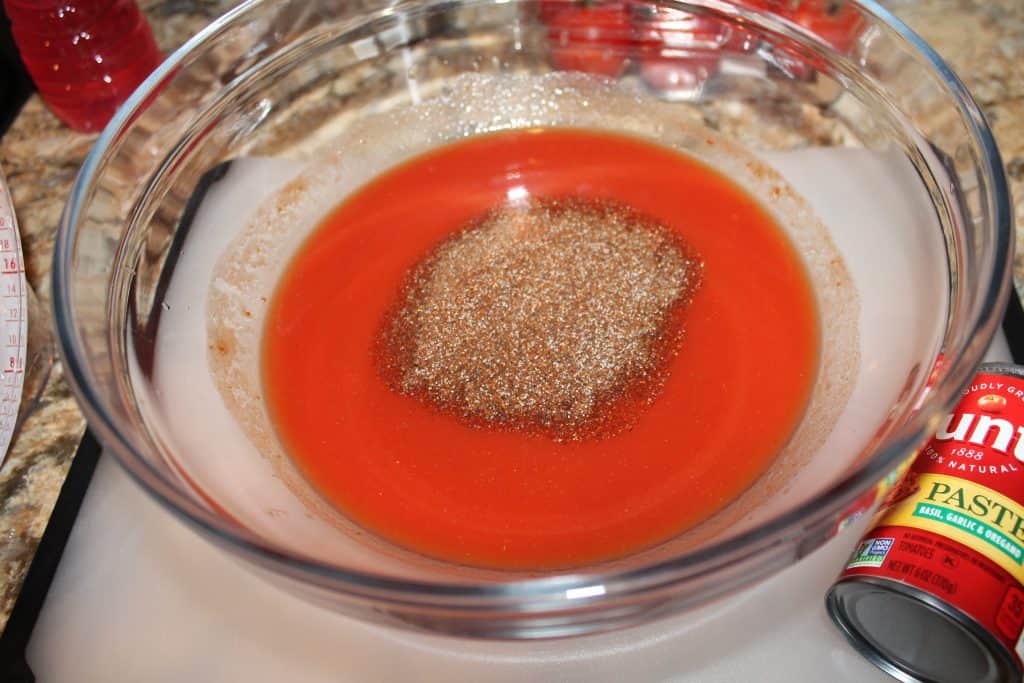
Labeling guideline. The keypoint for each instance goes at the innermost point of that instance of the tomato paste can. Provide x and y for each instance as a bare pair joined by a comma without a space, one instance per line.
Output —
935,589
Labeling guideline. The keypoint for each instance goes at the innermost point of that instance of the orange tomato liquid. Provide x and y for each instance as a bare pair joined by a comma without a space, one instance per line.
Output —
510,500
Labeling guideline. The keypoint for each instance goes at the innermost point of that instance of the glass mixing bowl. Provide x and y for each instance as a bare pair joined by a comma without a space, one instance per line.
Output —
876,137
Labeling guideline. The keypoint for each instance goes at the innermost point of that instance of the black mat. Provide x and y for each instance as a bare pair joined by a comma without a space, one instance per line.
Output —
15,85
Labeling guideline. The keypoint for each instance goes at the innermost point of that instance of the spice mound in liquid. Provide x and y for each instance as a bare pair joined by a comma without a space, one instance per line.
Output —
416,479
558,317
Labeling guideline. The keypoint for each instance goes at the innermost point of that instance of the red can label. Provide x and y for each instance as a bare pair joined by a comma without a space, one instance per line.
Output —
954,527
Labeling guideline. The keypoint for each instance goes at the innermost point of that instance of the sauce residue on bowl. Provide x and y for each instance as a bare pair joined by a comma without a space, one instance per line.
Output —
731,386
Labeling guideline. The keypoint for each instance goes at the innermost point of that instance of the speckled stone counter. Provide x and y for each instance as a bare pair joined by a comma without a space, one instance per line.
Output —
40,158
983,40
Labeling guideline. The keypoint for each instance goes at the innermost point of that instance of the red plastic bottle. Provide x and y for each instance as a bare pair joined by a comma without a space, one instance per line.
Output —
85,56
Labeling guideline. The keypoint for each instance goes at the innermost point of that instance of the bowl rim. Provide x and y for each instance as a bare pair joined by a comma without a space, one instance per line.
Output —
560,586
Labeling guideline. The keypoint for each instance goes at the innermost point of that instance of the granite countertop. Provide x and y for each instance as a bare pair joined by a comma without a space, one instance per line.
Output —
40,158
983,40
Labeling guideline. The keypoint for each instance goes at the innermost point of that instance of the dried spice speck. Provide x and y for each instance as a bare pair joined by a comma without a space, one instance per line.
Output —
557,317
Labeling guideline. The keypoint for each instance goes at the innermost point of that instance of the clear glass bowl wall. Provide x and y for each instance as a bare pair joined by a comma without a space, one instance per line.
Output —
280,79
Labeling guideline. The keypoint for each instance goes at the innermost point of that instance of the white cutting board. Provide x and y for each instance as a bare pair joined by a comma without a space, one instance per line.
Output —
140,598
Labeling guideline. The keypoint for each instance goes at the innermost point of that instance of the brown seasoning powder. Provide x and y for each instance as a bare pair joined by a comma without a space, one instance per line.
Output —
557,317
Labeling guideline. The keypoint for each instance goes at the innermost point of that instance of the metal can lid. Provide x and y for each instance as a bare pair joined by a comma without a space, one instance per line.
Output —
1007,369
915,637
